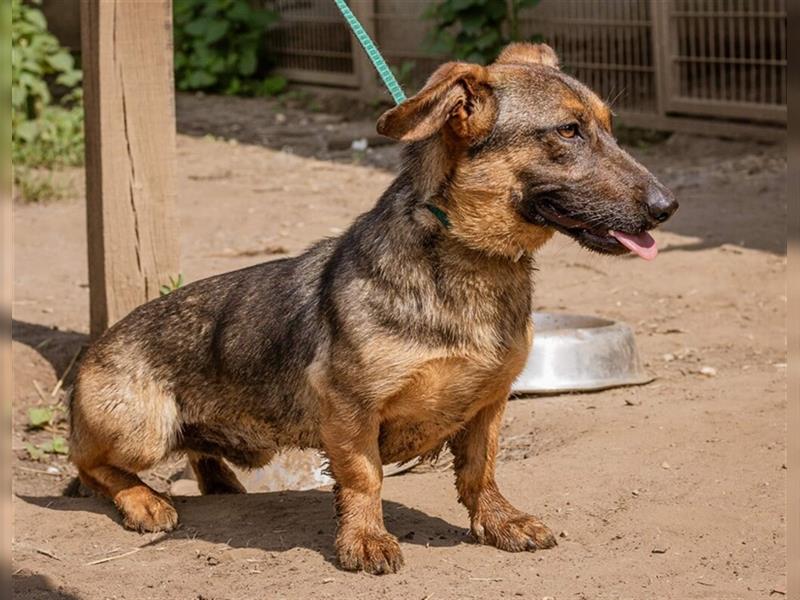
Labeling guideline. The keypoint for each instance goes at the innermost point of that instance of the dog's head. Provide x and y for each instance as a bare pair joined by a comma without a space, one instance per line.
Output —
518,149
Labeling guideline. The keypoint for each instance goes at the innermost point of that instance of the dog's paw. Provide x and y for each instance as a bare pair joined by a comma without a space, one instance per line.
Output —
513,533
147,512
376,553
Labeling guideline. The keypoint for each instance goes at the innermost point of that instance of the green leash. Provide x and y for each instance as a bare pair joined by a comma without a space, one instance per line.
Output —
388,79
372,52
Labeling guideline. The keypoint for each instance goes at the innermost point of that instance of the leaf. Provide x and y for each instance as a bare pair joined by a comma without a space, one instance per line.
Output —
26,131
215,31
61,61
248,62
497,10
70,79
59,445
488,39
36,18
273,85
34,452
39,417
200,79
473,23
198,27
179,60
240,11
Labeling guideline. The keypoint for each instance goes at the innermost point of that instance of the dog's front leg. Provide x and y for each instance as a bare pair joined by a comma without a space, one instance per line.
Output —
362,542
493,520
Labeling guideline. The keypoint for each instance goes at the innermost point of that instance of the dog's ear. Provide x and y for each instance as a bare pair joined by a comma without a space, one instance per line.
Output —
457,97
523,52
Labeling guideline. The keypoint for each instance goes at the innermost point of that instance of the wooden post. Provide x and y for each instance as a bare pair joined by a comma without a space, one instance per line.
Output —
129,103
364,10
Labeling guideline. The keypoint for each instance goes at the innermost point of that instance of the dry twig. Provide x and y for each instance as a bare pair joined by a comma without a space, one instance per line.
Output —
110,558
66,372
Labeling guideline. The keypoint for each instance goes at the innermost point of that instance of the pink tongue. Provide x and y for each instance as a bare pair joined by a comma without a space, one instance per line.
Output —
642,244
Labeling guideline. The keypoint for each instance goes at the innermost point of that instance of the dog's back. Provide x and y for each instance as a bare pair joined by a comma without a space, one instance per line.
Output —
184,370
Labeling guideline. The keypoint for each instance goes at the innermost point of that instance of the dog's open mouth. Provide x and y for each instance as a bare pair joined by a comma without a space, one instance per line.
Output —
595,238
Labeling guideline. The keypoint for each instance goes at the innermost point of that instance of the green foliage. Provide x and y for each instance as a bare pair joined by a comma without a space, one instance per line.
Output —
219,47
404,73
173,285
40,417
47,127
39,185
58,445
475,30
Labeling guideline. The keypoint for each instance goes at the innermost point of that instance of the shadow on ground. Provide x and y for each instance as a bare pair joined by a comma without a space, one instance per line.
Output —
54,345
273,522
33,586
322,127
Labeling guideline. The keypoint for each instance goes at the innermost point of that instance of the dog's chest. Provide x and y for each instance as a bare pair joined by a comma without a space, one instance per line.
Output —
442,395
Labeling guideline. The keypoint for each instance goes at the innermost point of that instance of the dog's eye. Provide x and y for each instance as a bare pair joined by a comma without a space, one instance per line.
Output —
568,131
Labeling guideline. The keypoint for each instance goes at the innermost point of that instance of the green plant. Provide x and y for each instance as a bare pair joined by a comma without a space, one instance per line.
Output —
40,417
475,30
404,73
173,285
219,47
39,185
47,127
58,445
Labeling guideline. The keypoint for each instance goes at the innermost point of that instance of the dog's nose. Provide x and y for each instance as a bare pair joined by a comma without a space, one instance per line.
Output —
661,204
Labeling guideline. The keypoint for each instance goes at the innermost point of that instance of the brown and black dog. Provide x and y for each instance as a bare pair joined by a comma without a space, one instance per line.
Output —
400,336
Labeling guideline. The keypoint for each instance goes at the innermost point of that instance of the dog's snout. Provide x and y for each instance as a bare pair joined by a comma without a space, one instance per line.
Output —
661,204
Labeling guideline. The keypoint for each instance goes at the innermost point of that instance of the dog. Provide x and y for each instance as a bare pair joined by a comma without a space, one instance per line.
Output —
397,338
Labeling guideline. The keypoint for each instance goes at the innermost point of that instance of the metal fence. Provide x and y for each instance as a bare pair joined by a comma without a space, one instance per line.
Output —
657,61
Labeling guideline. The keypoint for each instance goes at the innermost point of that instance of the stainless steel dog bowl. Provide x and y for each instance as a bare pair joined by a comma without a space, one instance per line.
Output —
577,353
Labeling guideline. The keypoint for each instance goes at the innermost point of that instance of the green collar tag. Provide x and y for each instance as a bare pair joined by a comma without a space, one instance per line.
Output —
439,214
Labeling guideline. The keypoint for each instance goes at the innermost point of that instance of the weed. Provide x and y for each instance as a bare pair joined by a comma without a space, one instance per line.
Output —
174,284
36,186
57,445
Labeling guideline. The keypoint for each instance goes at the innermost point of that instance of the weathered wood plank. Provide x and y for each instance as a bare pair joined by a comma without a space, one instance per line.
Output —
130,154
364,10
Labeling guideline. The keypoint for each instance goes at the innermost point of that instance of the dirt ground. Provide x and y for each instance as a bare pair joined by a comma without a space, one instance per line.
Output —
670,490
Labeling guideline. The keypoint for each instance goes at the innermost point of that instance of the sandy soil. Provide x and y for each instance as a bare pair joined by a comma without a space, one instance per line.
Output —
670,490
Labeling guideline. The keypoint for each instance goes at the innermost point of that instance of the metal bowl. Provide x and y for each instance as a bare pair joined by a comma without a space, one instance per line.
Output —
578,353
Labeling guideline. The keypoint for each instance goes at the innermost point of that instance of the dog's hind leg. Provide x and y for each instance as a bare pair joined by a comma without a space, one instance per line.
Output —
122,425
142,508
214,476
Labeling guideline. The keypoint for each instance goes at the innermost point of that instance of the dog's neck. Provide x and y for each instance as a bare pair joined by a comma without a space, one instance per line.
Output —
427,164
412,235
439,190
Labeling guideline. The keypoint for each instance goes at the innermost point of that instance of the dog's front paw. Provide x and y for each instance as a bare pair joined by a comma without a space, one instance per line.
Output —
512,532
145,511
375,553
